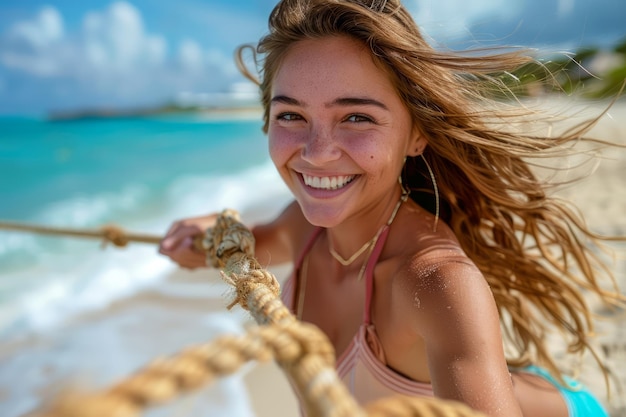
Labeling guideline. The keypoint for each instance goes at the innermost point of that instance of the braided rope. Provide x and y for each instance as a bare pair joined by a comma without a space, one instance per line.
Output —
302,350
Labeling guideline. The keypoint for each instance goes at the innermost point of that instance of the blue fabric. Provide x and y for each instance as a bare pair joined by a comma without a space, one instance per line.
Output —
580,401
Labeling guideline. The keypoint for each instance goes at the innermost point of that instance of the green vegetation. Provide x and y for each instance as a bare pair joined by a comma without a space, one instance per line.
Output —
590,72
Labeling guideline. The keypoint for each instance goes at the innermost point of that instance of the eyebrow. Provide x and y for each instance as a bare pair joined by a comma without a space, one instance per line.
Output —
356,101
343,101
285,100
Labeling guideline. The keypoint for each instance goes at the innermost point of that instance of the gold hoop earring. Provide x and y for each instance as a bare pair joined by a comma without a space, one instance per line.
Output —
436,189
405,191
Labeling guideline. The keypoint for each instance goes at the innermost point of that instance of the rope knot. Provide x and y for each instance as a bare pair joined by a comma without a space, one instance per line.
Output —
115,235
251,284
228,237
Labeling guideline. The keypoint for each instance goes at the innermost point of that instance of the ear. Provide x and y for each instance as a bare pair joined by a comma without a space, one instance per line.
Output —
417,145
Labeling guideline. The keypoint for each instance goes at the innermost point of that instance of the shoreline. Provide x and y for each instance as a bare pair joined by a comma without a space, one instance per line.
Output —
172,110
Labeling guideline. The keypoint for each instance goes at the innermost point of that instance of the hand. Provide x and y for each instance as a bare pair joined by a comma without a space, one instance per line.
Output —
178,243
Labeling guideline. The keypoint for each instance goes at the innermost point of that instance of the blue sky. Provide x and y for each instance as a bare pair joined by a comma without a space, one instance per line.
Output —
67,54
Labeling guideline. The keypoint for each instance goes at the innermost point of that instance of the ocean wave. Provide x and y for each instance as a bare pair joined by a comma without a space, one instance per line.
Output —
54,279
86,210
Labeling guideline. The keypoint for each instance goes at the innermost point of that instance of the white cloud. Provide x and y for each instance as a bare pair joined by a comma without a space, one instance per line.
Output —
39,65
450,19
43,30
112,42
244,90
113,55
115,41
37,44
565,7
217,59
190,55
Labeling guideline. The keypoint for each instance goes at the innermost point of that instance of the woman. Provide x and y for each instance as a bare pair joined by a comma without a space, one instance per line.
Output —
418,229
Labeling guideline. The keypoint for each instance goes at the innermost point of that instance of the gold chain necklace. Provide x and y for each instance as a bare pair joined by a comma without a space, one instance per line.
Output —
346,262
370,243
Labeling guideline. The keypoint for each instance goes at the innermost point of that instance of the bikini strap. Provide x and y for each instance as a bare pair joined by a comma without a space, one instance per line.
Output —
295,277
369,273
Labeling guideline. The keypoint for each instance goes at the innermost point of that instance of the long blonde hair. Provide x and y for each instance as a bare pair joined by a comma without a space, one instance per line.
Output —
534,250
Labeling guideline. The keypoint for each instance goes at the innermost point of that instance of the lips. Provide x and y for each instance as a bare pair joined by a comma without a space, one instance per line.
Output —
328,183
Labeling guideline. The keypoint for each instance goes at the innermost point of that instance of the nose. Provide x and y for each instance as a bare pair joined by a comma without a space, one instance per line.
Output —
321,146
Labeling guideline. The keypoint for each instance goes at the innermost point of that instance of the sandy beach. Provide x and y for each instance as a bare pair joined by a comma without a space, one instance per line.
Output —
104,346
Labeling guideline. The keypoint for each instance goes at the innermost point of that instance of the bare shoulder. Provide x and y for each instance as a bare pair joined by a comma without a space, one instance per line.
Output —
437,283
447,311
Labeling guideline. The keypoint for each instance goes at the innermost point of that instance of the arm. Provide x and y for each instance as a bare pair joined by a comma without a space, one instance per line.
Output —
178,241
459,323
273,240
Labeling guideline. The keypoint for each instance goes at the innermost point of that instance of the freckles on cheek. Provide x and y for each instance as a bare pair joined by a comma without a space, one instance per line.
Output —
275,152
273,147
281,148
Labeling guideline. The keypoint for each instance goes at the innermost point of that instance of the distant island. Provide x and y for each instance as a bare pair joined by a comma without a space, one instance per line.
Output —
167,109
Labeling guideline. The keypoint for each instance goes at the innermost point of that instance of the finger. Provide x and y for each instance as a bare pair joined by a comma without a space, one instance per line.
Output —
191,260
177,237
174,227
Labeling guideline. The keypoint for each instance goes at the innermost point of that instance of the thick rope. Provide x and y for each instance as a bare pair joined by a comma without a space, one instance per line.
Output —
230,245
167,378
302,350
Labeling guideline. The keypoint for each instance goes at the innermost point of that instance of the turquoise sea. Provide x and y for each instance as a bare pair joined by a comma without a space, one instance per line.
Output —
138,173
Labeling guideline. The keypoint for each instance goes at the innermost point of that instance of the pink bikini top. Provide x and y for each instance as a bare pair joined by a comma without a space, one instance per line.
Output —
362,366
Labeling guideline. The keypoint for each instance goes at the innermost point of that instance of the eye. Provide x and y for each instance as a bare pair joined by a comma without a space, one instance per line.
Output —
288,117
359,118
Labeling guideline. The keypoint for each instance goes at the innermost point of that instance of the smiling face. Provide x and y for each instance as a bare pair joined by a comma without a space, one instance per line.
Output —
338,131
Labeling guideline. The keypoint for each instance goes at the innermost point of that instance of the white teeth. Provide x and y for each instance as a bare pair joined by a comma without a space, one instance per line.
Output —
327,183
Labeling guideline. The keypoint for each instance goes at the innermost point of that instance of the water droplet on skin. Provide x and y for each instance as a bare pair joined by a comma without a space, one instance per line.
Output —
416,301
